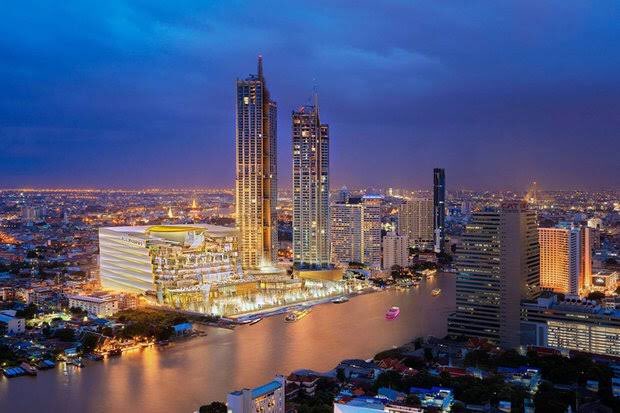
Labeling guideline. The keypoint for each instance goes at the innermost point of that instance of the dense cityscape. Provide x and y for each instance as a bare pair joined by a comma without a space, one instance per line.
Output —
268,295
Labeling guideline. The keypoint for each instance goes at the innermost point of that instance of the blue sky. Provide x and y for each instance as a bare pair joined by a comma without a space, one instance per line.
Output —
141,93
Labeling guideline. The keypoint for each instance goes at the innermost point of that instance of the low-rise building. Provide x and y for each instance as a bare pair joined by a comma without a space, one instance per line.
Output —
368,404
101,306
11,323
268,398
605,281
306,382
527,377
436,397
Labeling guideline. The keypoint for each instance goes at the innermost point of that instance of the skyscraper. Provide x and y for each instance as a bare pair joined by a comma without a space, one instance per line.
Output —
395,251
356,231
256,172
311,245
439,207
497,262
565,258
415,220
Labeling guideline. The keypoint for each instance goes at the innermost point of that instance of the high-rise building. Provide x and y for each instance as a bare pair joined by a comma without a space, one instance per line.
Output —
415,220
256,172
356,231
371,230
498,266
439,207
565,258
342,196
311,245
395,251
346,232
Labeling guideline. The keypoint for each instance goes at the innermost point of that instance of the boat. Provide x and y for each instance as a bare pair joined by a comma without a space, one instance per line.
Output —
392,313
436,292
296,315
340,300
77,362
94,356
31,371
11,372
256,320
46,364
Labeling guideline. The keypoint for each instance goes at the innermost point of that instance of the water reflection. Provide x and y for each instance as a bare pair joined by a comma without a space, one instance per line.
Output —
180,378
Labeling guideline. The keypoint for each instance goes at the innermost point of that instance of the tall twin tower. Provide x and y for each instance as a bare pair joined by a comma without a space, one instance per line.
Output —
256,179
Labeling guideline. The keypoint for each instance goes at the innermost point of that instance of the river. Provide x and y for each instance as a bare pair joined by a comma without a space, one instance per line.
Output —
182,377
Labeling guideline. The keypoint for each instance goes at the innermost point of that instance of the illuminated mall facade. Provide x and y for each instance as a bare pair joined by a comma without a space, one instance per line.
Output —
173,264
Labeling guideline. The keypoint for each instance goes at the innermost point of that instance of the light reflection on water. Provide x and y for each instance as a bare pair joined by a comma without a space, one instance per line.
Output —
190,373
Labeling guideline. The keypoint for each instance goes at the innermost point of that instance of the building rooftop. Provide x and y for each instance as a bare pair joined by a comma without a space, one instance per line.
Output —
177,228
266,389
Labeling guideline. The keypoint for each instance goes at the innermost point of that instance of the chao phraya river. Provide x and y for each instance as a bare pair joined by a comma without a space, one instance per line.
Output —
184,376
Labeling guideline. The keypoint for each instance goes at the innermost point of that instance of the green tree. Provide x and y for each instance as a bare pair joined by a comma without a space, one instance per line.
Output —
549,400
596,295
213,407
28,312
340,375
65,334
89,342
390,379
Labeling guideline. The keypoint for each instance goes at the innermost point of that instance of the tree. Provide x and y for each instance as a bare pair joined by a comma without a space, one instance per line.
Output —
412,400
28,312
340,375
548,399
213,407
89,342
390,379
65,334
77,311
596,295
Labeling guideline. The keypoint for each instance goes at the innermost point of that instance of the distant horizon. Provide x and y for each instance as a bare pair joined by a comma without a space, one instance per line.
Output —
333,189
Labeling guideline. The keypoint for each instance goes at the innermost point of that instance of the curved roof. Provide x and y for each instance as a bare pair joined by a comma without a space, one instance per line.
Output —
173,228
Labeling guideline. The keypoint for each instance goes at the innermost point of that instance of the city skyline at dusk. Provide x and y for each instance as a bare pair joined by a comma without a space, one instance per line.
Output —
127,96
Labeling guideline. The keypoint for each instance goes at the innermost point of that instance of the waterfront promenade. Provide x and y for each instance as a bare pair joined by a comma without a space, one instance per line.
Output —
194,372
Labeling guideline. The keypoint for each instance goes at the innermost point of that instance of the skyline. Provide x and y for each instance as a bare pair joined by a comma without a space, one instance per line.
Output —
146,92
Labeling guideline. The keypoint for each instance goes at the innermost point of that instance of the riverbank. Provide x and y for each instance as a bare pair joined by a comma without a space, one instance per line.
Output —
225,360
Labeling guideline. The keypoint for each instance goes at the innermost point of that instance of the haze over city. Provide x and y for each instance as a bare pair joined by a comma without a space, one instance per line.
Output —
135,95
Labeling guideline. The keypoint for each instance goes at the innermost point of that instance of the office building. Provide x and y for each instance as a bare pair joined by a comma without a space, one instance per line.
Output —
311,245
439,208
256,172
395,251
572,324
175,264
565,258
356,231
415,220
498,266
268,398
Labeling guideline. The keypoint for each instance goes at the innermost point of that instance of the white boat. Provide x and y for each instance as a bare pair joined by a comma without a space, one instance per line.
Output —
436,292
340,300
